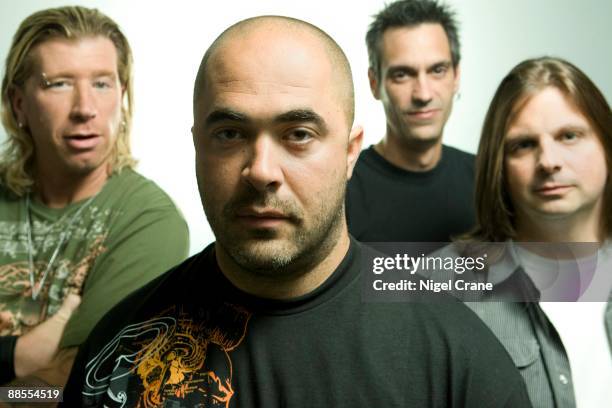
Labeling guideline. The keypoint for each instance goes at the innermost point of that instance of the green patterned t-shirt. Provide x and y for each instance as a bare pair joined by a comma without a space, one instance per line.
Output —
128,234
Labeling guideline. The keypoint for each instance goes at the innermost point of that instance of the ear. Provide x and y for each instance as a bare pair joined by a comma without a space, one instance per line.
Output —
373,83
17,99
353,149
457,72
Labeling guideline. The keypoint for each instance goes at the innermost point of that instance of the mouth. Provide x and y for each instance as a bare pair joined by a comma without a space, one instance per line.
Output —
422,114
552,189
82,141
261,218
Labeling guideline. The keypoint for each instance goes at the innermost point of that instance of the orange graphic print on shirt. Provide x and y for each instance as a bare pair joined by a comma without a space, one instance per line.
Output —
182,358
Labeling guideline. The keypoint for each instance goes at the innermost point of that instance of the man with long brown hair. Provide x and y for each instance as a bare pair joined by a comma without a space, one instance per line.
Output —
76,220
543,190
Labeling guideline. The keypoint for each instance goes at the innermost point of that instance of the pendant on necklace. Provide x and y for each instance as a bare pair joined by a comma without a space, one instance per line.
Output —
35,291
31,311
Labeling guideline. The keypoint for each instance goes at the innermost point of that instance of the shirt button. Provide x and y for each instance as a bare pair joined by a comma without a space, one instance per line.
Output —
563,379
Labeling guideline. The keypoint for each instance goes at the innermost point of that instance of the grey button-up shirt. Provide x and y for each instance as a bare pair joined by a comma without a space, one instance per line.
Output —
524,329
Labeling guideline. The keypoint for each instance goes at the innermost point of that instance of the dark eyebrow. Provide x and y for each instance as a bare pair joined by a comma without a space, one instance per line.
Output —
445,64
570,127
406,68
302,115
518,138
223,115
413,71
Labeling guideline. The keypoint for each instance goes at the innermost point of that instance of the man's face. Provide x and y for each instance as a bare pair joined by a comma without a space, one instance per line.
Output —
417,82
272,152
71,104
554,161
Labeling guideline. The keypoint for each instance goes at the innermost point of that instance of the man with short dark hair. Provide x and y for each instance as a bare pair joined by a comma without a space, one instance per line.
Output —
409,186
77,223
271,314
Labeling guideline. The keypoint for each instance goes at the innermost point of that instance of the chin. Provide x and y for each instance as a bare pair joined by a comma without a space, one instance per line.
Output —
554,213
86,166
424,137
81,169
265,257
428,138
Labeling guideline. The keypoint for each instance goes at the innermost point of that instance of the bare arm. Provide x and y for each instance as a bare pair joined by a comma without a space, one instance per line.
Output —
38,349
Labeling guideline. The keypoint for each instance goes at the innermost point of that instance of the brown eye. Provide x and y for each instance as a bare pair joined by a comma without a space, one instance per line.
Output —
525,144
399,75
522,145
439,70
228,135
299,136
569,136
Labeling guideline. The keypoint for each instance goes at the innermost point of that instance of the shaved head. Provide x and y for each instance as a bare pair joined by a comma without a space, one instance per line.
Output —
275,144
246,34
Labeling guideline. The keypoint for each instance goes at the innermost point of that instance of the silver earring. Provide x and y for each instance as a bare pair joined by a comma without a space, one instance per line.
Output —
20,125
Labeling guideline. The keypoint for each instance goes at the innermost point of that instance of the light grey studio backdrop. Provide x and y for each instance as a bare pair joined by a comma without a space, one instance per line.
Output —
169,38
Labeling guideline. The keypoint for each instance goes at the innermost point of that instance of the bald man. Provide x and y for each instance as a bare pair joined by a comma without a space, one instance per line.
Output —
271,314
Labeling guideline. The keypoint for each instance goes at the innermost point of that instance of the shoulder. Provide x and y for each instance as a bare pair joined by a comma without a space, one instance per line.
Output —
458,156
135,187
459,164
452,320
479,360
370,171
456,331
131,195
438,311
368,161
169,288
137,204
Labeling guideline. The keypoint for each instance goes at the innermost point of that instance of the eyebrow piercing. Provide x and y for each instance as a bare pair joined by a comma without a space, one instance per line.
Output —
45,81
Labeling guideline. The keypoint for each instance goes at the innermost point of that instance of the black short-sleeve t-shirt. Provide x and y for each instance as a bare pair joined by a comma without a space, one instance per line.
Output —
190,338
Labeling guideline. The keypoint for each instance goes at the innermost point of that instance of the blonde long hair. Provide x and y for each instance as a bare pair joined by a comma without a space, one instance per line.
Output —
73,23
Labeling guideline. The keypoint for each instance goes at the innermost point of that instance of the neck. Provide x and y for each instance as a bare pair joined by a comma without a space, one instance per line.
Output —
60,190
413,156
582,227
285,286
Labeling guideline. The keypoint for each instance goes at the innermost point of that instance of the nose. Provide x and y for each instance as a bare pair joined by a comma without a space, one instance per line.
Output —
83,106
422,93
549,159
263,169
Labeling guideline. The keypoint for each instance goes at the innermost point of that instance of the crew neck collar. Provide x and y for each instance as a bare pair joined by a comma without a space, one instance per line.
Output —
375,159
343,276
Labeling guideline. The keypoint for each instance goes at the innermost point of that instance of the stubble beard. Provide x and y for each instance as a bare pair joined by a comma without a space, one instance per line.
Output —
409,135
266,253
413,138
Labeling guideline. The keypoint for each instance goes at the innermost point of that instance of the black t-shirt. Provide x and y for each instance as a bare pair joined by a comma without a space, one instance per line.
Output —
191,339
385,203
